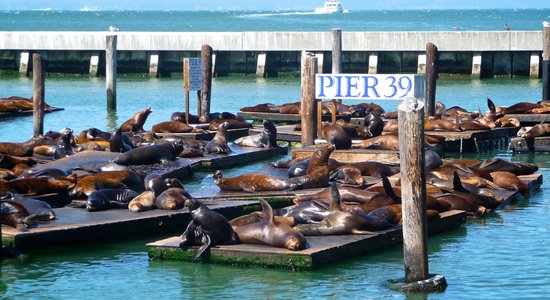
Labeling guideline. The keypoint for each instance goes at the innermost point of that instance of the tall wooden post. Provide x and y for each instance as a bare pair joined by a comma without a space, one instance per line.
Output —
546,62
431,77
38,93
206,56
413,189
111,71
308,104
336,61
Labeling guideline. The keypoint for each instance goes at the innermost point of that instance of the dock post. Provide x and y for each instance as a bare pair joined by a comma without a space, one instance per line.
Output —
534,65
309,104
336,61
431,77
320,58
94,62
373,63
206,56
476,66
111,71
24,58
260,65
546,62
421,66
154,59
38,93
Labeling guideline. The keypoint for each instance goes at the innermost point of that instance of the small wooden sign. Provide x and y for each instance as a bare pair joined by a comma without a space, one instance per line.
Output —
192,74
368,86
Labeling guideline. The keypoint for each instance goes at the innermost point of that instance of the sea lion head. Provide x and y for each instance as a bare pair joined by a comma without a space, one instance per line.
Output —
269,126
295,241
192,204
218,175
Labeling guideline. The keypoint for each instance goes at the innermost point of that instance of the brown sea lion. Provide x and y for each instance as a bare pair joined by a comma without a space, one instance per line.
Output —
40,185
290,108
521,108
391,126
253,183
135,123
390,115
347,194
172,199
381,142
537,130
373,125
335,135
171,127
7,161
391,213
150,154
15,149
142,202
498,164
218,144
541,110
270,232
231,124
15,215
180,117
207,228
340,222
265,139
376,169
507,122
318,171
262,107
41,209
510,181
256,217
87,184
458,202
349,175
441,125
308,212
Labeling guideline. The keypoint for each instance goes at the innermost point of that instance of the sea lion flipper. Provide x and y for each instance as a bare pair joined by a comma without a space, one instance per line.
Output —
491,105
487,162
389,189
335,199
204,247
267,211
457,184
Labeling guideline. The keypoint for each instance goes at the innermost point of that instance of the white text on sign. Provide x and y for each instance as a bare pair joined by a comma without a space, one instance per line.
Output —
368,86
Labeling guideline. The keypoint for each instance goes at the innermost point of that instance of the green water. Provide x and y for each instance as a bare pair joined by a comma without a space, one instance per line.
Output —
500,256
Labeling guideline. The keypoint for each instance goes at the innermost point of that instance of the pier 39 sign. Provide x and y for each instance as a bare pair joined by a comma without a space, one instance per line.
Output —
368,86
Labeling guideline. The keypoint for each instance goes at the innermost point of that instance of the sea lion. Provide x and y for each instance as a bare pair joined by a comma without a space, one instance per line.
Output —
155,184
391,213
180,117
195,151
7,161
172,199
441,125
256,217
172,127
265,139
15,149
207,228
375,169
271,232
537,130
520,108
98,134
391,126
253,182
347,194
231,124
290,108
120,142
309,212
318,171
109,198
87,184
142,202
135,123
498,164
219,143
41,185
507,122
373,126
262,107
41,209
340,222
510,181
15,215
335,135
65,145
349,175
381,142
150,154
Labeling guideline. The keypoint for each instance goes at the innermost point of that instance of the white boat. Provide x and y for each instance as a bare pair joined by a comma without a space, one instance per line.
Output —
330,7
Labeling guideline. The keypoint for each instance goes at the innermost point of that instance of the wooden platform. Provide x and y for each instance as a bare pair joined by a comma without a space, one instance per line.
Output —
78,226
351,155
283,118
538,144
475,140
26,113
530,119
320,251
232,134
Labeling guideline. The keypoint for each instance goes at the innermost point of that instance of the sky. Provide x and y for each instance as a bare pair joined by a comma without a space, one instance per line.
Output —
263,4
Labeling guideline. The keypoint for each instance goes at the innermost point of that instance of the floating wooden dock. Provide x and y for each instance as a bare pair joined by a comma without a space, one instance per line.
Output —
232,134
530,119
351,155
283,118
26,112
538,144
320,251
475,140
78,226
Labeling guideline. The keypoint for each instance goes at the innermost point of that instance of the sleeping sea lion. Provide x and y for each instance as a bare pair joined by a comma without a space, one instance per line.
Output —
335,135
172,199
109,198
271,232
142,202
150,154
253,183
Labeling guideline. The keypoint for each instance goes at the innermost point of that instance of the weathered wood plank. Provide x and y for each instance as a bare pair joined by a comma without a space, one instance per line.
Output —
538,144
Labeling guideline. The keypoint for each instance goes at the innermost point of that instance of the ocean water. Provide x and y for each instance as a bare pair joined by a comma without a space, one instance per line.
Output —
501,256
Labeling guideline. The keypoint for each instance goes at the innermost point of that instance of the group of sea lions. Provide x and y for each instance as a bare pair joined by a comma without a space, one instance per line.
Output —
358,110
16,104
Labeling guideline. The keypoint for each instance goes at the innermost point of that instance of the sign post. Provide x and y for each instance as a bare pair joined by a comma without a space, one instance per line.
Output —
192,81
410,89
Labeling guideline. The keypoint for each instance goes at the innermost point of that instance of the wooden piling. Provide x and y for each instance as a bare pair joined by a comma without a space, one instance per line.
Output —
206,56
413,189
38,93
546,62
111,71
432,54
336,61
308,104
